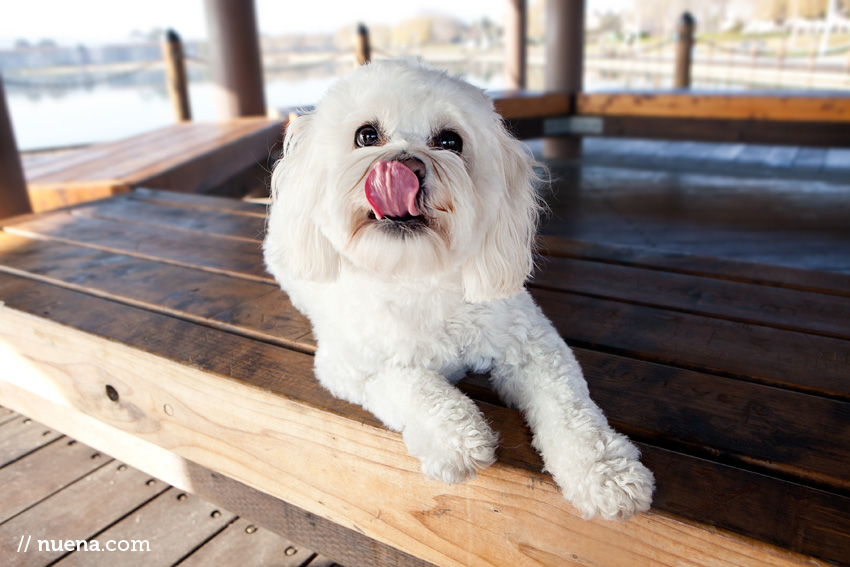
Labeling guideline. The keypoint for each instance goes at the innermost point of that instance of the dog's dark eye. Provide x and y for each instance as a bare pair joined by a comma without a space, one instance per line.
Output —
366,135
448,140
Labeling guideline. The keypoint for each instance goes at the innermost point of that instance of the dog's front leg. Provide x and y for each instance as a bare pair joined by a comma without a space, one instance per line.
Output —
440,425
597,468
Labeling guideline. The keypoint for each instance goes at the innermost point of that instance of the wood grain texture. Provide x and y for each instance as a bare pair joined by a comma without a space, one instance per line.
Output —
778,107
190,156
776,441
349,547
29,481
22,435
513,105
164,530
77,512
435,522
267,548
776,307
816,281
728,450
758,353
235,257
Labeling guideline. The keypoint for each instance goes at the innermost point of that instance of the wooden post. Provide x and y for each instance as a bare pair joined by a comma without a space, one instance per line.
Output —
361,45
235,57
684,51
14,199
175,76
564,64
515,39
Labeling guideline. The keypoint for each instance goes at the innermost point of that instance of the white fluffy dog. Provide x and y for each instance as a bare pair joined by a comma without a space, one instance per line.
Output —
402,225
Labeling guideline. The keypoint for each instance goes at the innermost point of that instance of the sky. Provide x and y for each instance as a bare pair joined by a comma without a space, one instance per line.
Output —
103,21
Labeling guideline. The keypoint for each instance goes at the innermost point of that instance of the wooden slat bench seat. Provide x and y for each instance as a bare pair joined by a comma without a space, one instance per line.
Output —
192,156
146,326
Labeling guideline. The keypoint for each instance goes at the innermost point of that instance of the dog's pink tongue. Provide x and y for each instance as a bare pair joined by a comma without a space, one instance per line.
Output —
391,189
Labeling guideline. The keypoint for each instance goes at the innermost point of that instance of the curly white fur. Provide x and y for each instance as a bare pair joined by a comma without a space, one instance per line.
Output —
402,311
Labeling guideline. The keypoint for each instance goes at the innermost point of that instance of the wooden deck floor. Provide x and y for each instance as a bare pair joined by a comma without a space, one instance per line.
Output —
709,310
56,489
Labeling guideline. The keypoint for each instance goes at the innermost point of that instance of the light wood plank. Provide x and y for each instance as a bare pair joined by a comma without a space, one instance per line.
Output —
513,105
717,106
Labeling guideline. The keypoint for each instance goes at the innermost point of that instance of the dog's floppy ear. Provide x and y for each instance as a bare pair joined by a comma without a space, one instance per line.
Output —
506,257
294,246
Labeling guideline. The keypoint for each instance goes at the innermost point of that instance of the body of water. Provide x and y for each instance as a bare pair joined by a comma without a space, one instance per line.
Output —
73,113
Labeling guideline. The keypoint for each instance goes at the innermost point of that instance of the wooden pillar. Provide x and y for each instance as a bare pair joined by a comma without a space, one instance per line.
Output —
515,39
14,199
175,76
564,32
234,47
684,51
362,49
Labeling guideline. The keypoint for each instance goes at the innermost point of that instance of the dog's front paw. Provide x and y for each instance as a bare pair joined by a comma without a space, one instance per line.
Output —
603,478
616,490
453,452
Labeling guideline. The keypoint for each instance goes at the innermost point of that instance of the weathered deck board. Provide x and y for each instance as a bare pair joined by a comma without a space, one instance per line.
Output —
782,308
651,333
170,527
174,524
219,256
22,435
208,222
30,480
79,511
243,544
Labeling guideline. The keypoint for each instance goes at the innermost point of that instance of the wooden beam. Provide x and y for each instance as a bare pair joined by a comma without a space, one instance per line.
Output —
791,107
13,188
362,47
235,57
514,105
175,75
564,64
515,39
684,50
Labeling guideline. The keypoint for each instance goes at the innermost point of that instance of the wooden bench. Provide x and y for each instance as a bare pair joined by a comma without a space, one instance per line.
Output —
146,326
189,156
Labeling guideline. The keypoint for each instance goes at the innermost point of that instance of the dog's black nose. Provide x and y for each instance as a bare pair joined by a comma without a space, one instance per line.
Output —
416,165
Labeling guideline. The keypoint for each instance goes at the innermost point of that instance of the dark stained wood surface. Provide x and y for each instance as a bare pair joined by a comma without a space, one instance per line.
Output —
731,375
